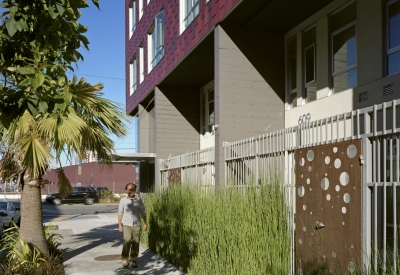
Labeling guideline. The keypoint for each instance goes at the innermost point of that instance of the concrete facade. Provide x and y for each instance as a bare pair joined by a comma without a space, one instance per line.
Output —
177,110
246,103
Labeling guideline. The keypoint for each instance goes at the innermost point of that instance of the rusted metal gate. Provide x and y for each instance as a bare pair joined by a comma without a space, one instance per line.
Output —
174,176
328,208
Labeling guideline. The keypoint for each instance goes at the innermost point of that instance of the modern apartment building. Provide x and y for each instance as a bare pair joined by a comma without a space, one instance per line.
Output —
204,72
238,79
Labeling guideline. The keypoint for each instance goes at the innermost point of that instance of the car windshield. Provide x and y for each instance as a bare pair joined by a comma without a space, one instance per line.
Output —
3,206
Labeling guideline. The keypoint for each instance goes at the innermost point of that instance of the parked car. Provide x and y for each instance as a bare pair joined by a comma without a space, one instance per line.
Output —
9,213
85,194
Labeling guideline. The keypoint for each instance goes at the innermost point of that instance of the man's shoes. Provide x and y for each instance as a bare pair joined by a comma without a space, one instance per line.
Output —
125,263
133,264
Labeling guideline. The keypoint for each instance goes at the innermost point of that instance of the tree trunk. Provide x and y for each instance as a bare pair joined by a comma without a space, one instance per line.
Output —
31,229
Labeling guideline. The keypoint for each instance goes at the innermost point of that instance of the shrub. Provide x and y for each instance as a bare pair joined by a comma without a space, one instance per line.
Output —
230,232
23,258
107,196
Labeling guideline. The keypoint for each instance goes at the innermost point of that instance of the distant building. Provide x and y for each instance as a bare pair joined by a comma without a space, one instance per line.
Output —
98,174
90,157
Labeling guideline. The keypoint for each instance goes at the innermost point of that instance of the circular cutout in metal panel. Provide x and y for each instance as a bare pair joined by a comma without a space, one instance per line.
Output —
351,267
309,168
300,241
337,163
310,155
301,191
344,178
351,151
310,213
346,198
304,229
304,207
328,197
325,184
334,254
337,188
344,210
302,162
335,149
308,181
327,160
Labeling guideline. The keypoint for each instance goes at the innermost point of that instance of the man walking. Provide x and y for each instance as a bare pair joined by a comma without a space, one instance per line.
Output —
129,224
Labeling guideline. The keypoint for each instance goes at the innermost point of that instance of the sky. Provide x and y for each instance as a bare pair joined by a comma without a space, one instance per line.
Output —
105,60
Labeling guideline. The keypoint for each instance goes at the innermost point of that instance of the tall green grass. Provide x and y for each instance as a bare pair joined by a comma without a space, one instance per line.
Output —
230,232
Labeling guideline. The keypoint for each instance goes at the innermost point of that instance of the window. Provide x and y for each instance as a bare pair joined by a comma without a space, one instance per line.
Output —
393,37
141,64
132,17
292,72
344,49
141,7
133,76
189,9
309,74
155,42
207,111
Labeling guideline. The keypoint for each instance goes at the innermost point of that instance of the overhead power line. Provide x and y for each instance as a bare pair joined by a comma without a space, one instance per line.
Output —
100,76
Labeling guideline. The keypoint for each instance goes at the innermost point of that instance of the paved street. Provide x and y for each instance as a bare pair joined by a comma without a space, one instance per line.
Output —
51,211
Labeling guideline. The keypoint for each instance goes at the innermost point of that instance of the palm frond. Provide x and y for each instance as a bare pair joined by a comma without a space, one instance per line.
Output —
88,102
64,185
35,154
61,130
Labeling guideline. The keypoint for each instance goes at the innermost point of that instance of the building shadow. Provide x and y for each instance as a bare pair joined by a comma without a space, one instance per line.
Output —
150,263
94,238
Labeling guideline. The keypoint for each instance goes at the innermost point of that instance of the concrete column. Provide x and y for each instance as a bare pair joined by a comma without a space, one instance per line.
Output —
249,87
323,66
143,129
177,122
369,41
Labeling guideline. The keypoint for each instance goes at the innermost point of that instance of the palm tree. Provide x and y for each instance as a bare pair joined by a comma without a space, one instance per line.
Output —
31,144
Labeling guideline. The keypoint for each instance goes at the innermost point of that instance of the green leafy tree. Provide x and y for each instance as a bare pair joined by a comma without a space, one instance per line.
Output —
42,113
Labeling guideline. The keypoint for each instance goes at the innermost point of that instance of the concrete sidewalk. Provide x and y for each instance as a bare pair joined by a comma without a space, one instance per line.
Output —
92,244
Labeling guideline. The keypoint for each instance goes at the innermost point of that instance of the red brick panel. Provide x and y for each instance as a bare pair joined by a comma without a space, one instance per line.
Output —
176,46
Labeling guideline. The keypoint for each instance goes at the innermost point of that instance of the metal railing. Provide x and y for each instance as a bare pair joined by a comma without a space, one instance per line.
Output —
196,168
256,159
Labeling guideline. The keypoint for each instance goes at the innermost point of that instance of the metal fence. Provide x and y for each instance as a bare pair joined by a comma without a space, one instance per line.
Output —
196,168
254,160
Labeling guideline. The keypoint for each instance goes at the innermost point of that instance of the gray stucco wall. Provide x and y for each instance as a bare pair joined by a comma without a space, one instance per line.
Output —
143,129
249,87
177,120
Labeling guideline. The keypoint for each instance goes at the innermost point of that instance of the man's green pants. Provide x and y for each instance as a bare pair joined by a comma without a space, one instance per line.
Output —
130,249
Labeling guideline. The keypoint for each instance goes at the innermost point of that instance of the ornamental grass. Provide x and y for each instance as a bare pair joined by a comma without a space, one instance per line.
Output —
230,231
